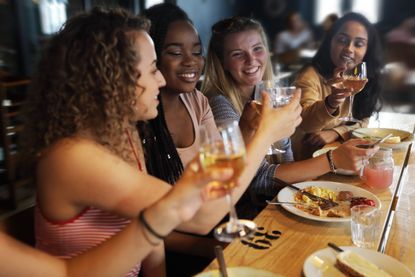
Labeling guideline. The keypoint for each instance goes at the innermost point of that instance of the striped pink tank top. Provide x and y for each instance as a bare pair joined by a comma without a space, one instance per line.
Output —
79,234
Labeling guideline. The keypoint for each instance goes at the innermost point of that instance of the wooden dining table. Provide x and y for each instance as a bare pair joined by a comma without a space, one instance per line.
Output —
285,240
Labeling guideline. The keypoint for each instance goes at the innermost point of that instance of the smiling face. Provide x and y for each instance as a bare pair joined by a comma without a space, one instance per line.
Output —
181,60
245,58
150,79
349,45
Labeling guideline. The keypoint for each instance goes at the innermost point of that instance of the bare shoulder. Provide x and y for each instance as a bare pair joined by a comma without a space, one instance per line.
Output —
71,157
75,173
71,151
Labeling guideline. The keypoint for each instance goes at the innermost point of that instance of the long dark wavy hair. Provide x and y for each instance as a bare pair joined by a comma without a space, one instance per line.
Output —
86,81
162,158
368,100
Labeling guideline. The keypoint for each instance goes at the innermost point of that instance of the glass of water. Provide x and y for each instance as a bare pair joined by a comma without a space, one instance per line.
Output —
365,224
279,96
283,95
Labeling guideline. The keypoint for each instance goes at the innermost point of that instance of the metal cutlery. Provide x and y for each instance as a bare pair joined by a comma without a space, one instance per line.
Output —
335,246
286,203
323,203
367,146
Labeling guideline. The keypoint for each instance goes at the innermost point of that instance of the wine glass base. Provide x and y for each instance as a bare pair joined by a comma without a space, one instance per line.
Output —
349,120
246,228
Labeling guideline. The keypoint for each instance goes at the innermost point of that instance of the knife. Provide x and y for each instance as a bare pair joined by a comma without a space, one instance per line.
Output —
325,203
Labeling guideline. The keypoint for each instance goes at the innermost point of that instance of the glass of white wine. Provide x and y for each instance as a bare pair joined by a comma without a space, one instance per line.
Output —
354,79
226,150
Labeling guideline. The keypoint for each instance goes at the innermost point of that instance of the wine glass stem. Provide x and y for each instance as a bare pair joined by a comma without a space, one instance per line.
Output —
232,225
350,115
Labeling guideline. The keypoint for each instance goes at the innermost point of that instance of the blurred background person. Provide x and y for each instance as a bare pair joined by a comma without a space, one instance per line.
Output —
297,35
325,26
404,33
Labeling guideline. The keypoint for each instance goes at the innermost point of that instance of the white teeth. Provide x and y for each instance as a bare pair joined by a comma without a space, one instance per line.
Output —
188,75
252,70
346,58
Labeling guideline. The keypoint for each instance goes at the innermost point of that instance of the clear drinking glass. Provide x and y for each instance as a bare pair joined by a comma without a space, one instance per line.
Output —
365,223
226,150
354,79
280,96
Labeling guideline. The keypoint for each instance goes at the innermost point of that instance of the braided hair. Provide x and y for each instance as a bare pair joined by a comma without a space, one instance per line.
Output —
162,158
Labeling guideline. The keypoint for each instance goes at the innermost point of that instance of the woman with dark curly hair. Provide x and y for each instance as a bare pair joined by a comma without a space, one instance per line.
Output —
96,79
351,40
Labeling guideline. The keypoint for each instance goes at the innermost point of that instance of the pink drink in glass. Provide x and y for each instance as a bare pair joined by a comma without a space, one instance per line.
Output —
378,177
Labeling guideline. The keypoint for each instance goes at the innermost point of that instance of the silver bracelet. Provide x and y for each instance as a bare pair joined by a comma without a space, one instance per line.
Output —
329,155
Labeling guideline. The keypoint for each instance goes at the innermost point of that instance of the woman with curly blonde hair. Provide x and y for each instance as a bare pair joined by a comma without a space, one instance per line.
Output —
96,79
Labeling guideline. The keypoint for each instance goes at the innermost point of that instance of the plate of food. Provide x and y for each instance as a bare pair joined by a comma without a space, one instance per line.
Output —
399,138
353,261
240,271
346,195
339,170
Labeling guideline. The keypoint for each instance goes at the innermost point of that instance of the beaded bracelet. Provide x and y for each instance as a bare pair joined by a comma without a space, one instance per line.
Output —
148,227
329,155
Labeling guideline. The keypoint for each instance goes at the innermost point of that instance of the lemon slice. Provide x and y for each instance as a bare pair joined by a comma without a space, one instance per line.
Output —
395,139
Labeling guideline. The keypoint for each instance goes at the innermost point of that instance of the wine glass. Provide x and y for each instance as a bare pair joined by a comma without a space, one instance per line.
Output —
226,150
354,79
280,96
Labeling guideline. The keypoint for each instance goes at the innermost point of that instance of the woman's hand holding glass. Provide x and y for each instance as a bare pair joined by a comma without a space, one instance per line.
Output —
277,99
249,121
193,188
279,122
350,157
339,93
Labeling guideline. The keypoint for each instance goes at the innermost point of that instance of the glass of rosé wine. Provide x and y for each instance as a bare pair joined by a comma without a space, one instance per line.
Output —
354,79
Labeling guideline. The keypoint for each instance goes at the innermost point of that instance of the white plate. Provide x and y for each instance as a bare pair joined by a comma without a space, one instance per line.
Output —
328,255
240,271
406,137
338,171
287,195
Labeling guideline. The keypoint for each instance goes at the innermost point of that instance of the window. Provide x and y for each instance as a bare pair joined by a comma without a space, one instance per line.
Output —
325,7
52,15
369,8
149,3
